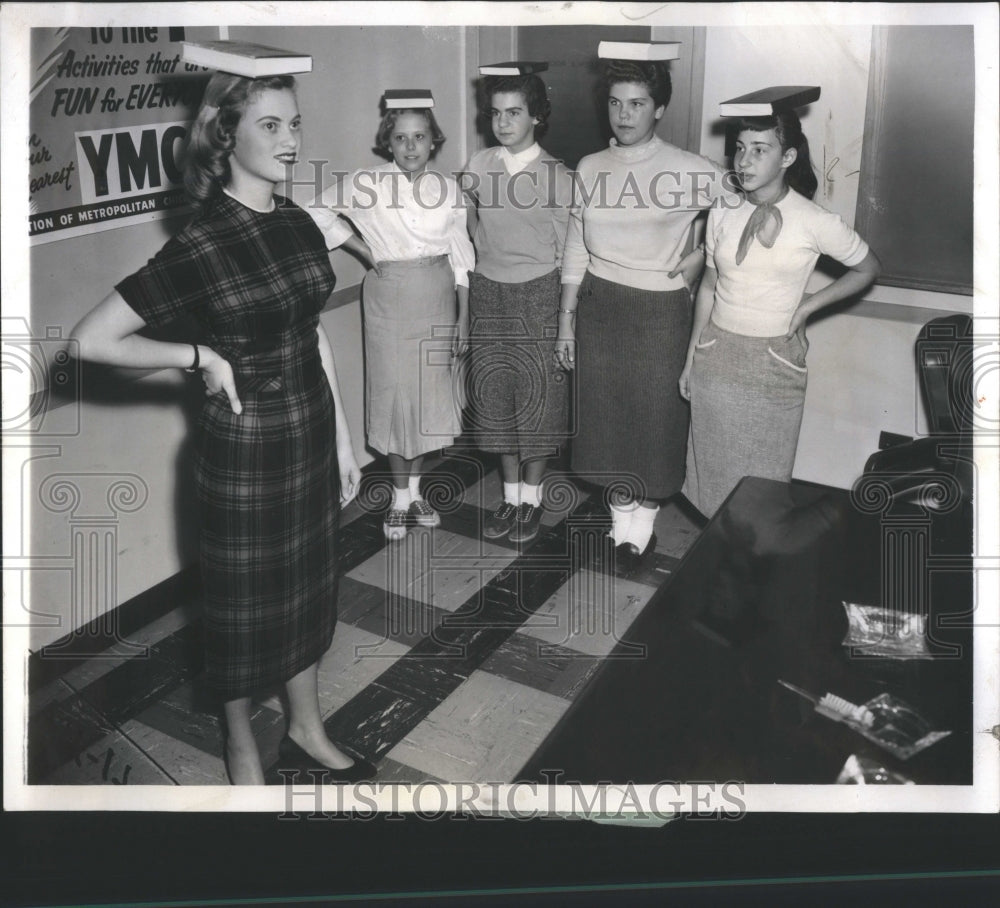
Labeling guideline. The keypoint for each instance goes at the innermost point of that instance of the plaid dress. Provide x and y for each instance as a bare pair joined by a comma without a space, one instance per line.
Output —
267,479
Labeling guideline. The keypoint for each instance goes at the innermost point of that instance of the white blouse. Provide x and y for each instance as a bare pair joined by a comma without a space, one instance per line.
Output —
399,220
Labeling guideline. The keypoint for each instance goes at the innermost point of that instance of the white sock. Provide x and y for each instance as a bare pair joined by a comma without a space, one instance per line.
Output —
531,494
414,488
512,493
621,520
402,499
641,528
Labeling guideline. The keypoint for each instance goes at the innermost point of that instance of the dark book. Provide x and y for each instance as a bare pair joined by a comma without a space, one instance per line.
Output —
768,101
398,98
513,68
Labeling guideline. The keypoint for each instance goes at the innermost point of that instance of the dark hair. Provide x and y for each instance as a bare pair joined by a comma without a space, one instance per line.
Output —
388,124
654,74
788,129
213,135
530,86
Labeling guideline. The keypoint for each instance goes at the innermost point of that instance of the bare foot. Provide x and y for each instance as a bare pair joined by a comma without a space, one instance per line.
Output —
243,765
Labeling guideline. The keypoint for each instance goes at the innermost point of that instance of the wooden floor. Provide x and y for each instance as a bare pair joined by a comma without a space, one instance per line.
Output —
452,660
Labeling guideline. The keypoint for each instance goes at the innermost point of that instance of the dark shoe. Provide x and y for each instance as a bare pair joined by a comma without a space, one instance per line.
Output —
394,525
424,515
500,521
628,557
291,756
633,550
526,526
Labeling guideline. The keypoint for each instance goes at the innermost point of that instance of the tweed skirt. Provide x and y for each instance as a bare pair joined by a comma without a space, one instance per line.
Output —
747,395
517,398
268,489
633,423
411,404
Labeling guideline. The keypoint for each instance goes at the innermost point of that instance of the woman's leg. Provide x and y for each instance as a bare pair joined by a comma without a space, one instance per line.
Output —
394,525
529,514
640,527
242,756
498,523
305,724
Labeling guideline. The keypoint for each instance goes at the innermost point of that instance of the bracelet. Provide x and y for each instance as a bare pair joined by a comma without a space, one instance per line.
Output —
197,360
569,311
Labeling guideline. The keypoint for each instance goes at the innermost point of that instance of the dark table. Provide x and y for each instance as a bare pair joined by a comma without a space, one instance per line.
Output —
757,598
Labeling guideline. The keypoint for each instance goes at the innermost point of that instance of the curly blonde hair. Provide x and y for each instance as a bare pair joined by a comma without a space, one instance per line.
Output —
213,135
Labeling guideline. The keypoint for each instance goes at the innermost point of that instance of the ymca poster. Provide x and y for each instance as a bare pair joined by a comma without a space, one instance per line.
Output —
110,111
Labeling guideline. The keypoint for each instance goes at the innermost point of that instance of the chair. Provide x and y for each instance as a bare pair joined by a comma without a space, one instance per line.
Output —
915,470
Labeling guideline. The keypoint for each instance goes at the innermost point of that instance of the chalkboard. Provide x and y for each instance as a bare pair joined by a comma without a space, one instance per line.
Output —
915,196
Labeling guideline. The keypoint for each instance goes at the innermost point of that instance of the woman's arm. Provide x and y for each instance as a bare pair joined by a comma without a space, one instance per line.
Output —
692,262
462,330
703,305
565,351
360,248
857,278
107,334
350,473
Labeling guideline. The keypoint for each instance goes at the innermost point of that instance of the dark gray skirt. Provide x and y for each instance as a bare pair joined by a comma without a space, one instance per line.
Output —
633,423
517,398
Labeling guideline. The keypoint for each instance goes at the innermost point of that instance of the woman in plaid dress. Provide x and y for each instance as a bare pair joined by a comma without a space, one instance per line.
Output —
273,453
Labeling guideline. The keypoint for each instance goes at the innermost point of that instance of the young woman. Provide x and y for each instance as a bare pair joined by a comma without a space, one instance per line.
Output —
273,453
413,223
626,301
518,400
745,372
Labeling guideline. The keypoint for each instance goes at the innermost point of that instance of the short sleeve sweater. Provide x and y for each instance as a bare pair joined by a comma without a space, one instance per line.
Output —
757,297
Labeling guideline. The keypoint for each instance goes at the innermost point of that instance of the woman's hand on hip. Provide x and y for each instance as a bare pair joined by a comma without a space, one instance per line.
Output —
690,268
218,376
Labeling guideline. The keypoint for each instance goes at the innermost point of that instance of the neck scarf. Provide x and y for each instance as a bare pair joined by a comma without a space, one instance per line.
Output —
765,224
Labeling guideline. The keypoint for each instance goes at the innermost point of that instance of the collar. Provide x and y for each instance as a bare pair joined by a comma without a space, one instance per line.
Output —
513,163
632,154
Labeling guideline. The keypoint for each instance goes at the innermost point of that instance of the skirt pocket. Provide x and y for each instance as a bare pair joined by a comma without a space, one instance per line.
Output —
790,352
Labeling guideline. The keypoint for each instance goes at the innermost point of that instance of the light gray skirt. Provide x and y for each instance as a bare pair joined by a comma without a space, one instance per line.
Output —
410,402
746,409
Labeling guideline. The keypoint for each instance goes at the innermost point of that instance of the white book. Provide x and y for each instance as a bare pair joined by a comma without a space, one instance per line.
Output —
243,58
639,50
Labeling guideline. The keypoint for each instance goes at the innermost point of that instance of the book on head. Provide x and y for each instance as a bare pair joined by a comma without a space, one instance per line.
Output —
639,50
243,58
398,98
769,101
513,68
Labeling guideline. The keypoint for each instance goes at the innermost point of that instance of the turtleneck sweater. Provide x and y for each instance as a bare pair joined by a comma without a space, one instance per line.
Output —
632,210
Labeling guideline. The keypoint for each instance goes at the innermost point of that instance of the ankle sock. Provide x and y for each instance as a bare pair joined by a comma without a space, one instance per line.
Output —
401,499
512,493
414,488
531,494
641,527
621,520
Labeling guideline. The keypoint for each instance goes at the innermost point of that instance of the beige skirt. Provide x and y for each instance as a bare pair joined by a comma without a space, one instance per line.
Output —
411,405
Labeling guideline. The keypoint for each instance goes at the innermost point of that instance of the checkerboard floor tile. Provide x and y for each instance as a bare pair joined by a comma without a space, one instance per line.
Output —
453,658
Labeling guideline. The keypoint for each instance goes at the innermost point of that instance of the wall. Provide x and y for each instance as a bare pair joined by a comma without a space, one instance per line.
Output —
862,375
